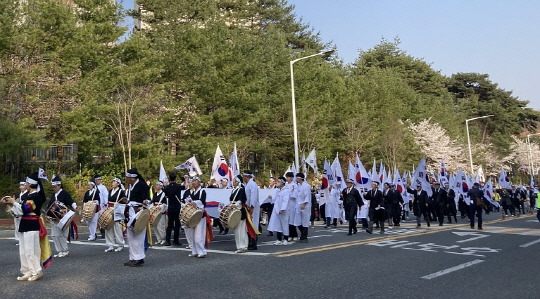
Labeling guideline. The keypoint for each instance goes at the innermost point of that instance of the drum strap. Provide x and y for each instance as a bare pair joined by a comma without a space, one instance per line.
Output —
236,194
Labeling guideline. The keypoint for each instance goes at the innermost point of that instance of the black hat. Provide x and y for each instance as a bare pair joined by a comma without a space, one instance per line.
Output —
247,173
32,178
282,179
376,183
301,175
97,177
476,184
289,175
172,176
239,178
55,181
134,173
436,183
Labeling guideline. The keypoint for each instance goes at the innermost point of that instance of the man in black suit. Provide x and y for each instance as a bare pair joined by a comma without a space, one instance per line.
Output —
351,202
439,199
420,204
377,212
173,192
396,202
450,203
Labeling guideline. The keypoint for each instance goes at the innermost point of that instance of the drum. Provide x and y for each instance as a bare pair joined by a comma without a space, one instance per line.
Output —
88,210
119,211
56,211
155,215
230,216
141,220
6,203
190,215
68,217
106,218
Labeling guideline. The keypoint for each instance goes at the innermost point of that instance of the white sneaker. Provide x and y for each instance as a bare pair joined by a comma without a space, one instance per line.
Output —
290,239
118,249
36,277
285,242
278,243
110,249
193,255
63,254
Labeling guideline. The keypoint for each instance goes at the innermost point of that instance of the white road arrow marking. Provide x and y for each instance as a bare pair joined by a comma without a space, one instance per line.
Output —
476,236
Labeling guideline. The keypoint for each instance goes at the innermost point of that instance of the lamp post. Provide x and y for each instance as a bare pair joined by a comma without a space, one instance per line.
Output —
469,137
295,130
531,164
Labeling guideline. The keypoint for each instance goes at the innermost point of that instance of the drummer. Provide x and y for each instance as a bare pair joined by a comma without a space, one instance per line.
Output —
196,236
138,193
92,194
238,197
17,219
113,235
160,200
62,198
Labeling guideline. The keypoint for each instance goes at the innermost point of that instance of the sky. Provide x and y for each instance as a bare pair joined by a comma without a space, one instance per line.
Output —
499,38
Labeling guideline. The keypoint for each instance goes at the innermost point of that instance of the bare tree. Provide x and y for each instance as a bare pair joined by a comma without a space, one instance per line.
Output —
122,120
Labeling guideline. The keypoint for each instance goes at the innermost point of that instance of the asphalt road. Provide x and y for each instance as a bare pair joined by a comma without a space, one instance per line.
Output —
451,261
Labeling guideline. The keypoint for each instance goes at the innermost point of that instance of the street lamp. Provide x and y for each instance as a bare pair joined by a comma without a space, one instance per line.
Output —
469,137
531,164
295,130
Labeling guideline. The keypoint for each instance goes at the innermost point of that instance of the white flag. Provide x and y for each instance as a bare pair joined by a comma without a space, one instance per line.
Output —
398,181
311,160
362,177
162,173
374,175
220,169
233,163
42,174
326,182
504,181
443,174
488,193
338,173
480,174
351,173
420,177
192,166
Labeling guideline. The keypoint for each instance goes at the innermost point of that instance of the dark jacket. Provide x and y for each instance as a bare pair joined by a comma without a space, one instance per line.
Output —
31,207
352,198
475,195
62,197
439,197
173,191
239,194
419,201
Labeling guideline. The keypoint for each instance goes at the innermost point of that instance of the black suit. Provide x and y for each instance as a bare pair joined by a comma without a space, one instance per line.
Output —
420,205
439,199
378,215
173,193
351,202
392,201
451,205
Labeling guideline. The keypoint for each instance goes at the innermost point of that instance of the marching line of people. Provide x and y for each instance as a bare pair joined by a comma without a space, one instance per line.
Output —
290,212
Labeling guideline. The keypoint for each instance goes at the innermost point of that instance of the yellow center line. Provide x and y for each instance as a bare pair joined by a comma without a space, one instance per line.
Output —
320,248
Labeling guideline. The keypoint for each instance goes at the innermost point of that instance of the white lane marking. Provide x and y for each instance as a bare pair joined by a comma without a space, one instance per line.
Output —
211,251
476,236
529,244
171,248
449,270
